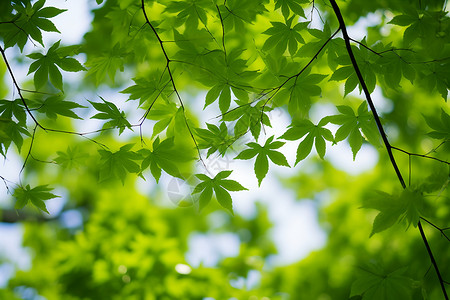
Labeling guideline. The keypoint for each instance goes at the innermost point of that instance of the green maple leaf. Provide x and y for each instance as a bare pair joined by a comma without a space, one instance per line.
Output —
374,283
235,13
109,111
118,164
56,105
366,61
290,5
29,21
441,128
247,117
353,126
164,156
214,138
263,154
407,205
11,131
15,108
315,134
394,67
108,63
390,210
231,72
418,25
221,91
436,78
70,159
47,66
147,89
220,186
283,35
302,89
167,115
189,12
36,195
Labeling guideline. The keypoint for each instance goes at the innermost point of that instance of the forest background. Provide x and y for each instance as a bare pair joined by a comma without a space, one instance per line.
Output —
225,150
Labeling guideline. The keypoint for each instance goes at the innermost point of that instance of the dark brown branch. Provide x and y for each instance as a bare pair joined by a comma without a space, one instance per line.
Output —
18,88
13,216
346,37
278,88
365,46
421,155
441,230
433,261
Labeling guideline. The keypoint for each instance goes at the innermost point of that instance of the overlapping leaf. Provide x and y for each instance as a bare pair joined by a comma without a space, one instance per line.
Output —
418,26
36,196
164,156
409,205
214,138
396,66
315,134
353,126
235,13
290,5
366,63
263,154
247,117
15,108
11,131
441,128
190,13
302,89
118,164
108,63
220,186
167,115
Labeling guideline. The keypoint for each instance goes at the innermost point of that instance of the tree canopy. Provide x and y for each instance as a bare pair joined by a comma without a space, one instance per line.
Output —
171,100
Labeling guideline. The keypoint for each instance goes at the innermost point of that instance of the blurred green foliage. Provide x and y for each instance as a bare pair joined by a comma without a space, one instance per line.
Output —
243,61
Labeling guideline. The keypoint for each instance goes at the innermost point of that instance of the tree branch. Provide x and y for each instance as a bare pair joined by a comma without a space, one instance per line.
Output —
163,49
347,40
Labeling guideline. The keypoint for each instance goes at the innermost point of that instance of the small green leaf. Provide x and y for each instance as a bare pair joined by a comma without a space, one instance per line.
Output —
109,111
264,153
36,195
314,133
220,185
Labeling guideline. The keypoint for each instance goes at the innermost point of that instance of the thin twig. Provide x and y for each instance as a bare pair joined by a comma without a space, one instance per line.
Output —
439,229
421,155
